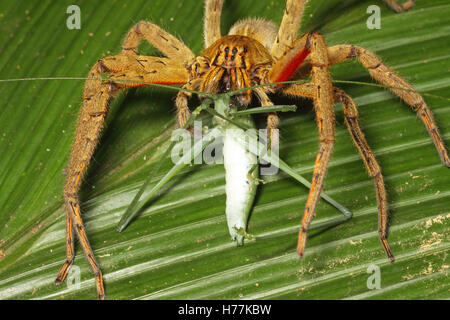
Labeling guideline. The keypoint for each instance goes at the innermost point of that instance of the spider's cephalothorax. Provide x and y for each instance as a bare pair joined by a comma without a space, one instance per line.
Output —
254,52
231,63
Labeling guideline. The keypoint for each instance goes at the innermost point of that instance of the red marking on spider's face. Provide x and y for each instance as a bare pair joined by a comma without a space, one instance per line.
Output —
292,66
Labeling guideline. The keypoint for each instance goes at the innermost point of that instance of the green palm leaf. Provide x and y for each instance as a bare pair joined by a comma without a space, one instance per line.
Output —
179,247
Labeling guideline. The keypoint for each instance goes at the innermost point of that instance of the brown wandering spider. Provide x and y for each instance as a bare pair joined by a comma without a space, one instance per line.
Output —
254,52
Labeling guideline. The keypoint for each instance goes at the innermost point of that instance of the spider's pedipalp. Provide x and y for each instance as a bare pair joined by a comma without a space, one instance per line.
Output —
396,84
273,121
211,28
181,102
287,33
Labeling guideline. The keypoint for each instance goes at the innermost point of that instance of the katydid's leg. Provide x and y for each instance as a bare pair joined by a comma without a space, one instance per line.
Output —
137,203
275,160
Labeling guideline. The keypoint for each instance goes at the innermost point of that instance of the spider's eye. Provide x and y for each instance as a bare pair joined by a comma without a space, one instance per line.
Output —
227,50
234,51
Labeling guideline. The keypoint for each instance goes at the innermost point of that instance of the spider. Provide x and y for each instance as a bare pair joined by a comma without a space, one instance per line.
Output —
254,52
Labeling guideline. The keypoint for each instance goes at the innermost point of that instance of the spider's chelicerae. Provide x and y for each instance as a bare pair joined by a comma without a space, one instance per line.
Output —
254,52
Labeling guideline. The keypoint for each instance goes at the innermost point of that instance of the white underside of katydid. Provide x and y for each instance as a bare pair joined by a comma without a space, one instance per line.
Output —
241,177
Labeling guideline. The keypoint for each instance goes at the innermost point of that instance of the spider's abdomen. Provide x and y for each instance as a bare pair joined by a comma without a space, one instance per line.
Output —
234,62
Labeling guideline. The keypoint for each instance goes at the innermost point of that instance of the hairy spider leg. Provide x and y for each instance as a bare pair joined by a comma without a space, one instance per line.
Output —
159,38
351,120
211,29
399,87
70,250
396,84
287,33
95,101
397,7
97,95
323,104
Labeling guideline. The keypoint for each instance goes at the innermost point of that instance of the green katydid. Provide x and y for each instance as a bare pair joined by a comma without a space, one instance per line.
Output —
240,162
